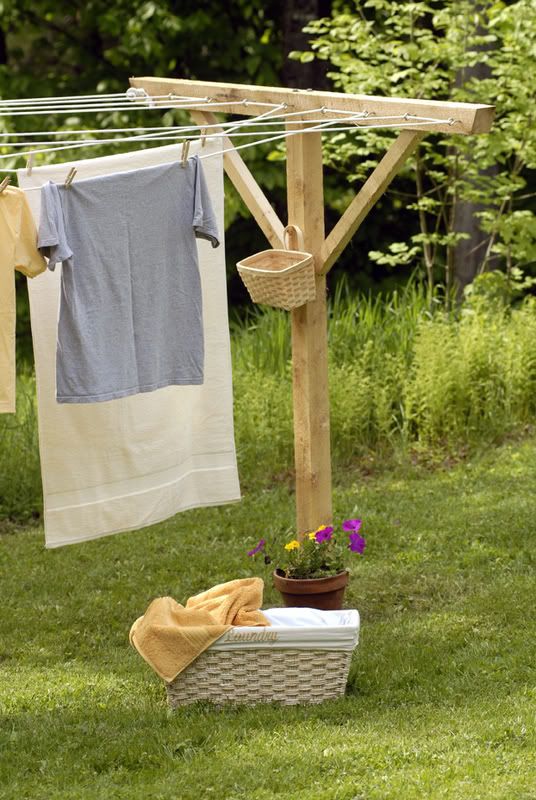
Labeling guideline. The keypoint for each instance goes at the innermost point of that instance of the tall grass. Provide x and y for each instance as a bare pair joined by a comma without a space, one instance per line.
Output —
403,379
20,478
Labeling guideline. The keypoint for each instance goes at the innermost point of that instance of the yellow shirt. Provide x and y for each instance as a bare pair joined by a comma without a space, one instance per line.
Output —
18,250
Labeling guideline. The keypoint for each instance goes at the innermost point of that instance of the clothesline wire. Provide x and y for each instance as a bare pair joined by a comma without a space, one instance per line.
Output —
130,97
123,108
133,99
174,133
149,137
157,139
255,120
232,124
316,129
228,127
275,115
159,132
137,97
322,128
149,103
65,98
125,139
104,102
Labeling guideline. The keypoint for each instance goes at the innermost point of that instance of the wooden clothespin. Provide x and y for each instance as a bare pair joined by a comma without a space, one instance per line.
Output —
184,154
203,137
5,183
69,178
30,163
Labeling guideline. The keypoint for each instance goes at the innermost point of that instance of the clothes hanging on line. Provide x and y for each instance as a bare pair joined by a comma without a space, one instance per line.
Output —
117,466
131,308
18,251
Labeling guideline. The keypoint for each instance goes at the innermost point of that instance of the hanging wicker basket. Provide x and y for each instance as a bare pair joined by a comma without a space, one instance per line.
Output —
280,278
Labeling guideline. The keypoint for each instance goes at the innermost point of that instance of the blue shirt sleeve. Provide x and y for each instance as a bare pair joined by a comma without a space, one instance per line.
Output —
52,240
204,219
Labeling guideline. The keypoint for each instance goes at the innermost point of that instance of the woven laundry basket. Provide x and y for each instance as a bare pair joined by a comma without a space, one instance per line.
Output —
280,278
251,665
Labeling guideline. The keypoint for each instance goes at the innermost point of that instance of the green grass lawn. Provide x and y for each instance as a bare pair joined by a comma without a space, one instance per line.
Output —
441,698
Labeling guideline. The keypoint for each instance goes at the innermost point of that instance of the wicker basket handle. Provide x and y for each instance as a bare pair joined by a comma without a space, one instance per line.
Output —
293,232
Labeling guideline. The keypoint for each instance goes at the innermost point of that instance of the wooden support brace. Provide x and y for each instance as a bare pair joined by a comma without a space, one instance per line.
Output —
246,186
367,197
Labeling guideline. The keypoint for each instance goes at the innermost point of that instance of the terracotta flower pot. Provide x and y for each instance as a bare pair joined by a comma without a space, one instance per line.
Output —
324,593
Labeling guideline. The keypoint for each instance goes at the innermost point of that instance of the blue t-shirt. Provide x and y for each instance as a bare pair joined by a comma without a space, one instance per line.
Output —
131,308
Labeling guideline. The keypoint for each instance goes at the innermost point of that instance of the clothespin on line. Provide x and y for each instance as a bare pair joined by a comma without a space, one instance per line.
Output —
5,183
184,154
203,137
69,178
30,163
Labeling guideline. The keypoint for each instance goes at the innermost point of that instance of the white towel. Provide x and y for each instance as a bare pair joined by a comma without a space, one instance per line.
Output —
127,463
296,629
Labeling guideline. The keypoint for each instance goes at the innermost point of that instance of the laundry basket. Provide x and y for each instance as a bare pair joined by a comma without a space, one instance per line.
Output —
280,664
280,278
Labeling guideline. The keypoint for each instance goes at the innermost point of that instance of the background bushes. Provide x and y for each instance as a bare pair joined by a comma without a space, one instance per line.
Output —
405,381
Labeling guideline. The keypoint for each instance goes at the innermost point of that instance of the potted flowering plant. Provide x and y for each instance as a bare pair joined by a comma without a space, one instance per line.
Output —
312,570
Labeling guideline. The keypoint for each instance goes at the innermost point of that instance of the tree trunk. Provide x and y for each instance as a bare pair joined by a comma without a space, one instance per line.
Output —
296,15
469,253
3,47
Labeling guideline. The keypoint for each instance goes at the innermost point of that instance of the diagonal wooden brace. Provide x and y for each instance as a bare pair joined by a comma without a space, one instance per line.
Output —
367,197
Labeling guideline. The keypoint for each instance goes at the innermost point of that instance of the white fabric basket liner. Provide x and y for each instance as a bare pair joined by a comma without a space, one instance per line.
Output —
296,629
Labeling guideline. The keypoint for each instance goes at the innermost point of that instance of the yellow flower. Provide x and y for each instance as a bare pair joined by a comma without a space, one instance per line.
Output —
292,545
312,535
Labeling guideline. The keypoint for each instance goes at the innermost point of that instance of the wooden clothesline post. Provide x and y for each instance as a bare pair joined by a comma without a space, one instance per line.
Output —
312,447
305,201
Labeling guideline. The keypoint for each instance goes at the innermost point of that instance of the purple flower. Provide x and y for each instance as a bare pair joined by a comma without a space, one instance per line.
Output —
357,543
324,534
352,525
257,549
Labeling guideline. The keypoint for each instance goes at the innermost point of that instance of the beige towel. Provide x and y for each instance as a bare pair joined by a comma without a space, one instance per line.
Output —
123,464
170,636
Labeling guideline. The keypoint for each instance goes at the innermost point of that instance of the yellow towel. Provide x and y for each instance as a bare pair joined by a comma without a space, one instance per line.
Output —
170,636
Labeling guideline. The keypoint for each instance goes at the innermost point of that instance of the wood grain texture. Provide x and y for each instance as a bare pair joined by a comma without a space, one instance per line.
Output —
310,342
469,118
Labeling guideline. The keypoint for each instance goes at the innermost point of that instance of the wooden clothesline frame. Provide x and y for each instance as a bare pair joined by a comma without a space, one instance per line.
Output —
305,202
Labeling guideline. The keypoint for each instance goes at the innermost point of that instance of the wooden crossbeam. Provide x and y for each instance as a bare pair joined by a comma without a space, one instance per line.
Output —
469,118
367,197
246,186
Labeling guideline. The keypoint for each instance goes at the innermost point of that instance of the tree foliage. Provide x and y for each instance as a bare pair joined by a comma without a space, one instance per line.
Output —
75,46
426,48
429,49
69,48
